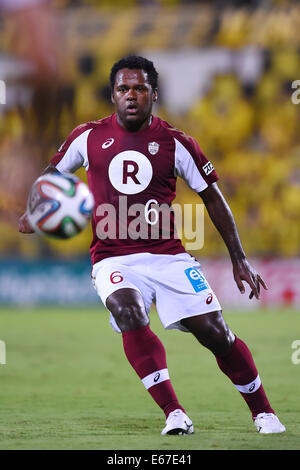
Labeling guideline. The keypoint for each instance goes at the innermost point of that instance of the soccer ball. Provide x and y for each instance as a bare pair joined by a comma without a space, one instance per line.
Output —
59,205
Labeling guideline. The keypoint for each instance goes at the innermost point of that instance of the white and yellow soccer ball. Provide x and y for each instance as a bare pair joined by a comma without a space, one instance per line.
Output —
59,205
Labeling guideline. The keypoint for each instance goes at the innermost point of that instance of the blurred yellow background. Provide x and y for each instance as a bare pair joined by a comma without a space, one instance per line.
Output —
242,114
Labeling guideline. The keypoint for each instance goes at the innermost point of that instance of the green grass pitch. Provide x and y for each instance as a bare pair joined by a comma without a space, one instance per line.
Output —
66,384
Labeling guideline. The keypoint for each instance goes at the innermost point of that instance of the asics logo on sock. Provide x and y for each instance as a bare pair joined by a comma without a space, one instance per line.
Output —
251,387
156,377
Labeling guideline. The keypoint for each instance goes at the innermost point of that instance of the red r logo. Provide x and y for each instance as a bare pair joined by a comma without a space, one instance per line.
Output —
130,169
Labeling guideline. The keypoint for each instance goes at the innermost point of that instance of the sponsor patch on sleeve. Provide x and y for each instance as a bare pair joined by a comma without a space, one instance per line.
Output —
208,168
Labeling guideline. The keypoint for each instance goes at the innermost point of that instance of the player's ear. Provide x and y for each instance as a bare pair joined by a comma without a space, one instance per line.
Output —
155,95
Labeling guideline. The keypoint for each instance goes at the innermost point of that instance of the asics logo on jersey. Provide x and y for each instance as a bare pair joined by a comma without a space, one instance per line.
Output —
108,143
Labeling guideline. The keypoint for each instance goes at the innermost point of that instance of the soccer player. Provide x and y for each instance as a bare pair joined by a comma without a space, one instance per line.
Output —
132,159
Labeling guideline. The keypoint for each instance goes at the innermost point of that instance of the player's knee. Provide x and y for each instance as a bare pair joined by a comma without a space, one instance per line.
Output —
218,341
130,317
212,332
128,310
222,340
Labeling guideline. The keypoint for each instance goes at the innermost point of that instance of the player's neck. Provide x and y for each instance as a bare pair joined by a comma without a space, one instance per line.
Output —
135,127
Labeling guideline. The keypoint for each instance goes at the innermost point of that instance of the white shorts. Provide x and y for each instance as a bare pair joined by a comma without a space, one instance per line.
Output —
175,283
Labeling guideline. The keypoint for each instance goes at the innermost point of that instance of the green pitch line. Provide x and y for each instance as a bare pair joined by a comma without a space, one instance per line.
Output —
66,384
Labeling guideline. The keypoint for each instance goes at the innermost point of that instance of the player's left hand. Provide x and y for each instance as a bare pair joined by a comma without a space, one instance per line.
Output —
242,271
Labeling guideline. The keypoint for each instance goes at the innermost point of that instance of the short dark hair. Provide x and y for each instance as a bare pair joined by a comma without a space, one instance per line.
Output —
138,63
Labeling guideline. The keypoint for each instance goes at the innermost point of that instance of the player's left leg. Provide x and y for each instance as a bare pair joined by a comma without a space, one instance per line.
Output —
236,361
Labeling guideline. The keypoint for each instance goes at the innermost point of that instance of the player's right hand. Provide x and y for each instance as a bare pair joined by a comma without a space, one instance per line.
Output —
24,226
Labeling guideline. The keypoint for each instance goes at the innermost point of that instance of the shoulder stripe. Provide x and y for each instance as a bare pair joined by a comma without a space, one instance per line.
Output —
187,169
76,155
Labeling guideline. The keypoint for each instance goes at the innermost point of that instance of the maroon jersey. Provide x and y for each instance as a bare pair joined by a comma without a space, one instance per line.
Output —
132,176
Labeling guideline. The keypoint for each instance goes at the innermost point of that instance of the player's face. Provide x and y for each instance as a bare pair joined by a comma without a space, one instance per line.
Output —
133,98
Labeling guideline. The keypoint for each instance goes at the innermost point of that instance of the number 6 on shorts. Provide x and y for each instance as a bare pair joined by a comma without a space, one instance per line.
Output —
116,277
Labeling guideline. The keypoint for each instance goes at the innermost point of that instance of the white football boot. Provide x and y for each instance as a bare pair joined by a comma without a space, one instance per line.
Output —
178,423
268,423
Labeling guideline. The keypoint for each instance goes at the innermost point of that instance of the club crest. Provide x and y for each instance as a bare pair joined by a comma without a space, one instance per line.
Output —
153,148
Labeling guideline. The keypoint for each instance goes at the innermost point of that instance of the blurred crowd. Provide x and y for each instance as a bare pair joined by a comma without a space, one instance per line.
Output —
248,129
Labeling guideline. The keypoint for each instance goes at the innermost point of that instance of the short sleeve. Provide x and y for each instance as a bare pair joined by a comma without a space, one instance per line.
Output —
73,153
192,165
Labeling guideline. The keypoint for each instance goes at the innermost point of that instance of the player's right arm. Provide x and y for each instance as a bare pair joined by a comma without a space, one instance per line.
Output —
71,155
24,226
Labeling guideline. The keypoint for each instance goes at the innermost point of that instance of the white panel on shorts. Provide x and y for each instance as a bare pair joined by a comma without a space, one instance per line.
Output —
162,279
116,266
76,155
187,169
105,272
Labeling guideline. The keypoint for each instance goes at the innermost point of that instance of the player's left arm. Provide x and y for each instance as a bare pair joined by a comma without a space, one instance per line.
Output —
222,218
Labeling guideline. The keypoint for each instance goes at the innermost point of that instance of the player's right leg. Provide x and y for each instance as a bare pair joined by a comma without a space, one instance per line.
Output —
147,356
142,347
